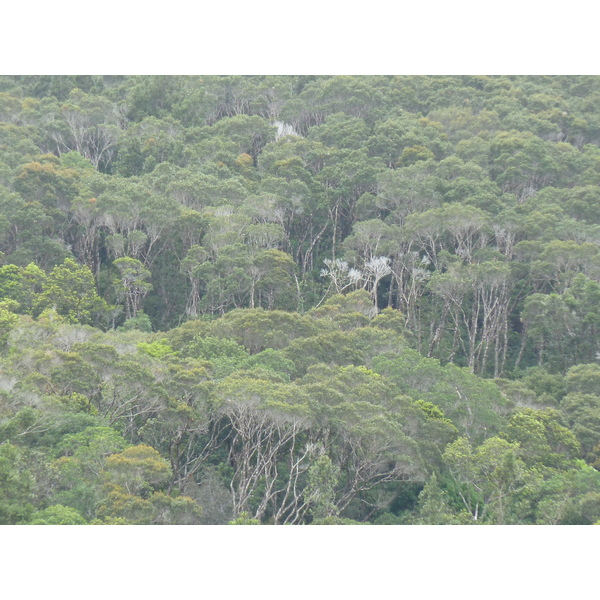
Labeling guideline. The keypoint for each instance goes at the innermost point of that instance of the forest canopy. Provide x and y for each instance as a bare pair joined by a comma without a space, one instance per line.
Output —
299,299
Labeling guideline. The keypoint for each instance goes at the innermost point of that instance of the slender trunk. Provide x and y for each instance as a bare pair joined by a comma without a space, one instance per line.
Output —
439,330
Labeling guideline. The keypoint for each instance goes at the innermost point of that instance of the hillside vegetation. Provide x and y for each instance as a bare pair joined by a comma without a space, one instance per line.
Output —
299,300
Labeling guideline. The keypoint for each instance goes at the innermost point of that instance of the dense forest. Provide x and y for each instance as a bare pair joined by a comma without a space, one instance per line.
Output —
299,300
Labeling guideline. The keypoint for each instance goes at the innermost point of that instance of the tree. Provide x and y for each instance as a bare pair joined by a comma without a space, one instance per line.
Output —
249,133
132,285
434,506
375,270
522,163
16,489
90,448
369,239
70,289
90,125
267,421
542,438
341,131
320,492
274,279
190,265
138,469
489,479
583,417
57,515
570,497
8,320
393,136
341,274
549,324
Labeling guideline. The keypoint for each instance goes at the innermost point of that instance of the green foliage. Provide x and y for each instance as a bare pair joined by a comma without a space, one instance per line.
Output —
320,492
542,438
331,348
16,486
244,519
158,349
8,319
570,498
434,507
374,299
57,515
489,479
91,446
333,520
141,322
179,510
474,406
226,355
70,290
273,360
132,284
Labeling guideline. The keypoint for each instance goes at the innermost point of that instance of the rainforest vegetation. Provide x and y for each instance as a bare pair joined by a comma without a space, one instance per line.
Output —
299,300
